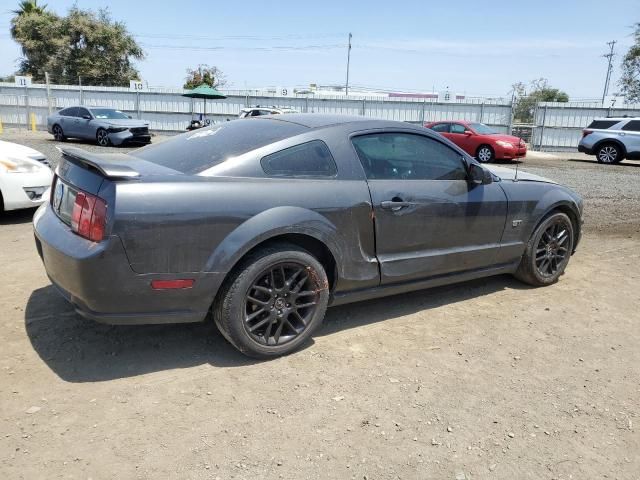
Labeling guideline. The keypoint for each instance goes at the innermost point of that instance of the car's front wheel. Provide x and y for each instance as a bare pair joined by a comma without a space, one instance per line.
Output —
609,153
273,302
485,154
102,137
58,133
548,251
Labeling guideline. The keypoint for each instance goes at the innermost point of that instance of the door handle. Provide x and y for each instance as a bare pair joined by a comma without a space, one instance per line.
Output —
395,204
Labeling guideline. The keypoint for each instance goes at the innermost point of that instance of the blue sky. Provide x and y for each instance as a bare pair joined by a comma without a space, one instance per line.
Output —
472,47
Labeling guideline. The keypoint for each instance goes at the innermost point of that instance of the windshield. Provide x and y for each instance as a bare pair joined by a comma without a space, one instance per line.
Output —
194,152
108,113
482,129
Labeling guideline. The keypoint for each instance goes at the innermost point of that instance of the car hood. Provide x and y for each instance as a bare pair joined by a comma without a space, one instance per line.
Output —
506,174
125,122
14,150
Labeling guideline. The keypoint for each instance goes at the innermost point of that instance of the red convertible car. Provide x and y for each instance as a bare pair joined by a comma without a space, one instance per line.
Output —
481,141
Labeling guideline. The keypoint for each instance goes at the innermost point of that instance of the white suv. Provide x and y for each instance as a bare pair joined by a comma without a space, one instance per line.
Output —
612,139
258,111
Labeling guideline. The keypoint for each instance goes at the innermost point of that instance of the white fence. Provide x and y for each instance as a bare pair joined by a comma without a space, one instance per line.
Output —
168,110
559,125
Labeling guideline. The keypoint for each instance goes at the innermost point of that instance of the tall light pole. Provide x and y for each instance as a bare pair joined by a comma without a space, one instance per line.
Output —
346,88
608,56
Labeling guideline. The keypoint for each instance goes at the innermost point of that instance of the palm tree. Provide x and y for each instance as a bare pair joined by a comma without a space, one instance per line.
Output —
27,7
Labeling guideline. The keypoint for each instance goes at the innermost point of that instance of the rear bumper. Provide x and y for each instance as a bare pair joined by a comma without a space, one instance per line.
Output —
583,149
97,279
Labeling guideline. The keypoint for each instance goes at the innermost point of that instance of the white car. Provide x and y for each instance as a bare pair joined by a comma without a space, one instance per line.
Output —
258,111
25,177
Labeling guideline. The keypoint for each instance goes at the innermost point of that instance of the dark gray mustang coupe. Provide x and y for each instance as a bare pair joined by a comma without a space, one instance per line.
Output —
265,222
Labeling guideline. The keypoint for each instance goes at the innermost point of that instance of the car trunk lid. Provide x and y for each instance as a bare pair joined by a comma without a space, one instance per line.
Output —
80,171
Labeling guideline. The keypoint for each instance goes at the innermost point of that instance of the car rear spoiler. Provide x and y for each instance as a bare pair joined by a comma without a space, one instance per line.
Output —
111,165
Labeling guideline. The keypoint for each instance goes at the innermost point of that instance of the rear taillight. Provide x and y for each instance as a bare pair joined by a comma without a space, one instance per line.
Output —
586,132
89,216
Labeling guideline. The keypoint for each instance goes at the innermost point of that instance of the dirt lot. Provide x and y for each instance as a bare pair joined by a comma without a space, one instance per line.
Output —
488,379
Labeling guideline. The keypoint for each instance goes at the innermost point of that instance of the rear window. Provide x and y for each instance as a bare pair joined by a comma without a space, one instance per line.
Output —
194,152
308,159
603,124
632,126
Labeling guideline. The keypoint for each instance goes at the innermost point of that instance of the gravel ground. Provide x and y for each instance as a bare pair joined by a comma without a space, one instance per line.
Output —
485,380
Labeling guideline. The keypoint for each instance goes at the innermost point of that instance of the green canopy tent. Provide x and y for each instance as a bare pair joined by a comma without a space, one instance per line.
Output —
205,92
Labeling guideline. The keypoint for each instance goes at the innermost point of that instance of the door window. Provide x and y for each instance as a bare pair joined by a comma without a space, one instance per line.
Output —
68,112
408,157
457,128
632,126
82,112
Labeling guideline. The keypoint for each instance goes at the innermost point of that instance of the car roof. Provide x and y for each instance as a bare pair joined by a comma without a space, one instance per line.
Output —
463,122
320,120
88,107
615,119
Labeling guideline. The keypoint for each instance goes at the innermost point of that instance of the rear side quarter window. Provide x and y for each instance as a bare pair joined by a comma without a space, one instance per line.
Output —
311,159
602,124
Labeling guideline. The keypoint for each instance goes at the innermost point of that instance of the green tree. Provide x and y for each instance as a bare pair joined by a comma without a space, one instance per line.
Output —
630,79
203,73
27,7
82,44
539,91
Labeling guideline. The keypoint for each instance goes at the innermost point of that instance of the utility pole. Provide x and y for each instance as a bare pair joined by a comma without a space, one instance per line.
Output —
609,56
346,88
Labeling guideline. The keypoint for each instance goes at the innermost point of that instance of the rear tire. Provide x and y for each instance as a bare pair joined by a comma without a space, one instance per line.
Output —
609,153
273,301
485,154
58,133
102,137
548,251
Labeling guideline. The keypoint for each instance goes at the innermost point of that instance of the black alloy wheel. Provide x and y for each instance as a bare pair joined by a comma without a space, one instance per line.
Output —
552,249
58,134
273,301
102,137
548,251
280,303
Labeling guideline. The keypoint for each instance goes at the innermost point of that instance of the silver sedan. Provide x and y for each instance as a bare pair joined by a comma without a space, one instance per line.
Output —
106,126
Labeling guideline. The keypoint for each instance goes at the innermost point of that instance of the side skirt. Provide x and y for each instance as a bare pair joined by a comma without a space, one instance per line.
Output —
397,288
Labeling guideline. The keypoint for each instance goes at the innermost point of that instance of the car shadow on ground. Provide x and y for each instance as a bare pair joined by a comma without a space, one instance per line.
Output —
507,162
624,163
79,350
16,217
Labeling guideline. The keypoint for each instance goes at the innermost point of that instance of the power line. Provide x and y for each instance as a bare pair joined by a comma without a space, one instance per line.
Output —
261,49
608,56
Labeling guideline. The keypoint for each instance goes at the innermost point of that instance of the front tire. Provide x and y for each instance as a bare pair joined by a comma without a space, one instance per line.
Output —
485,154
609,153
273,302
102,137
548,251
58,133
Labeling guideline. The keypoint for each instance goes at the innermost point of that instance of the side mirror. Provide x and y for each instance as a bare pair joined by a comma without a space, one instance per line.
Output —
86,117
468,133
129,116
478,175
